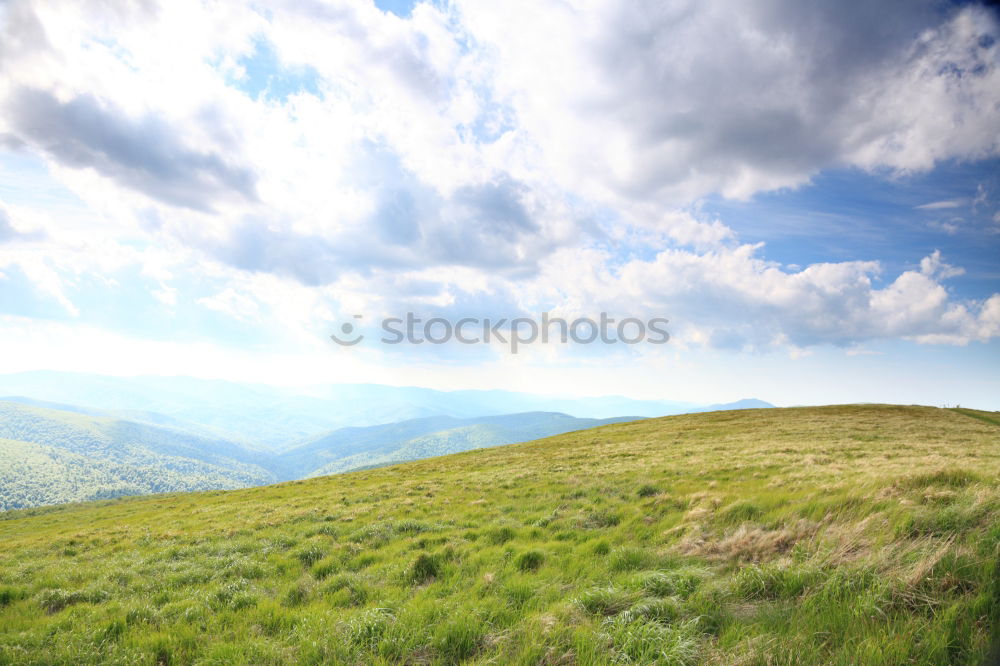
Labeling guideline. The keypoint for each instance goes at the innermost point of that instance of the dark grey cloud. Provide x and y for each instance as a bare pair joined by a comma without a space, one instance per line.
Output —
497,206
485,225
736,97
259,246
145,154
397,217
262,245
20,32
762,91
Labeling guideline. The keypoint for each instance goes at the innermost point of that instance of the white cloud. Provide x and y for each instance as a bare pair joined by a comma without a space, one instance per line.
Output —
231,302
864,352
674,100
933,267
950,227
732,298
945,204
490,157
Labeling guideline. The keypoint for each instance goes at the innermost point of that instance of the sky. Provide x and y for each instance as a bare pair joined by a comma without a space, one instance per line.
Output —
808,192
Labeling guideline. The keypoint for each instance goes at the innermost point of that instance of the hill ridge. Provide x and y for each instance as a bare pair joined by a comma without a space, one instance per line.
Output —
718,537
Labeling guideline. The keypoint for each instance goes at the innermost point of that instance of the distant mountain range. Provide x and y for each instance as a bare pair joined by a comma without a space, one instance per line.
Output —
83,437
351,448
746,403
272,417
50,456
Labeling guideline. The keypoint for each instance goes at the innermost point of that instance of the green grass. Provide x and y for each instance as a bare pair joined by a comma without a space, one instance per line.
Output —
837,535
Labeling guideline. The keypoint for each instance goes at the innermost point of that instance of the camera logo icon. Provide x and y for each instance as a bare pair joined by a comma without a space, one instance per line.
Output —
348,329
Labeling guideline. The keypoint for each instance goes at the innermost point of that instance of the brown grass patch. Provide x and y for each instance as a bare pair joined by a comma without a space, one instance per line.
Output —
748,542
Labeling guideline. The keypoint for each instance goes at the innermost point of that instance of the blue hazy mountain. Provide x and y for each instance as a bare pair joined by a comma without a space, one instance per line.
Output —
258,414
746,403
70,437
50,456
271,416
351,448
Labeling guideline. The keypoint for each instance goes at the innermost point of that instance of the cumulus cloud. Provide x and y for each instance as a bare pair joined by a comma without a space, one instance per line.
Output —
734,298
231,302
8,232
674,100
488,226
22,32
517,156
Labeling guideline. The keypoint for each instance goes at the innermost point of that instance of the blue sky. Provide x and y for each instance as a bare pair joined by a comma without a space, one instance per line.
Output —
810,194
890,219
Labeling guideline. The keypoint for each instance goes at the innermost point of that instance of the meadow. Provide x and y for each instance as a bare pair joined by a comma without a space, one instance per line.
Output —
864,534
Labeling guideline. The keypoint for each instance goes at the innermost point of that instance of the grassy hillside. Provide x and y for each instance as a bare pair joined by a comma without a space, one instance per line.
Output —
49,456
838,535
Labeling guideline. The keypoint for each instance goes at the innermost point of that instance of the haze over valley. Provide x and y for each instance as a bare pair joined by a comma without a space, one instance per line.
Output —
88,437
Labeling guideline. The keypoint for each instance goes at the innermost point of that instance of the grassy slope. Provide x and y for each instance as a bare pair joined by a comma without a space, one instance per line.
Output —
834,535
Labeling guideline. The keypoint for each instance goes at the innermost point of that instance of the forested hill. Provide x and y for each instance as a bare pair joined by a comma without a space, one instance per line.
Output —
50,456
